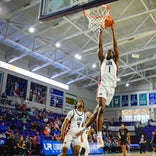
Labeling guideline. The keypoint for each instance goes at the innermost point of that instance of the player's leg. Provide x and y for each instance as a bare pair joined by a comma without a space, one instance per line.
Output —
105,95
76,150
141,148
124,149
99,121
77,146
87,148
64,151
100,113
92,117
154,150
66,144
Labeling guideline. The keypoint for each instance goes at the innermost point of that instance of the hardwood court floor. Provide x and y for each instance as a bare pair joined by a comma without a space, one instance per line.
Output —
128,154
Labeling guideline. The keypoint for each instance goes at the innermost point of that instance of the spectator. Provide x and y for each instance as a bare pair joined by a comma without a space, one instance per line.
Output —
8,132
32,127
47,130
23,107
22,127
34,145
28,145
55,132
3,130
16,136
115,145
17,106
24,119
11,143
153,142
38,142
108,145
1,117
21,146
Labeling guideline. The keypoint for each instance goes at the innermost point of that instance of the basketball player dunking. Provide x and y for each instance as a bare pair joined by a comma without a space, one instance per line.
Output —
106,86
76,118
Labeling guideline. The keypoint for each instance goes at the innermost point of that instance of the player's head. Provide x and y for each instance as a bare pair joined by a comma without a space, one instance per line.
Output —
110,54
79,104
142,136
154,132
122,126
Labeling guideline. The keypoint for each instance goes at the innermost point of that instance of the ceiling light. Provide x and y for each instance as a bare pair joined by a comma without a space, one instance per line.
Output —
93,65
31,29
58,44
127,84
118,79
135,55
78,56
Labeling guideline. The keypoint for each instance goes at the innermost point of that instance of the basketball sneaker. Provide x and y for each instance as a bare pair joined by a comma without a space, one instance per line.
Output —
100,143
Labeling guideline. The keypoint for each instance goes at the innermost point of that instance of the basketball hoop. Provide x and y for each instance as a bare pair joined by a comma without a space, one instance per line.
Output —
98,17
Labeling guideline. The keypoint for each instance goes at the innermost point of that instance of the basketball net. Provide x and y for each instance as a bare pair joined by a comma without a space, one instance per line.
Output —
96,17
80,2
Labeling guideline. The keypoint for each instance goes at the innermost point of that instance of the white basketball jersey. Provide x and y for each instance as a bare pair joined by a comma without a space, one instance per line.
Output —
108,73
76,120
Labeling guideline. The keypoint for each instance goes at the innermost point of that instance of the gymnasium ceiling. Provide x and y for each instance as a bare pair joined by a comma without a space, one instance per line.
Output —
135,24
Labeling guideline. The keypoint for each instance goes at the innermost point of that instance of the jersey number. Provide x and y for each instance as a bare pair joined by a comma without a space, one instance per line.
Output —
109,69
78,124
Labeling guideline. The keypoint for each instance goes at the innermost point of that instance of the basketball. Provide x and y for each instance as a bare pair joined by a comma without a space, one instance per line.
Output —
108,22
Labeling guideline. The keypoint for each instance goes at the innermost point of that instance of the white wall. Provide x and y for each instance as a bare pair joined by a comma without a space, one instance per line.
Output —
134,87
137,87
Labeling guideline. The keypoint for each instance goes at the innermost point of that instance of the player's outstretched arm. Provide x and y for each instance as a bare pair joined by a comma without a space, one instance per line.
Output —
100,50
116,51
64,125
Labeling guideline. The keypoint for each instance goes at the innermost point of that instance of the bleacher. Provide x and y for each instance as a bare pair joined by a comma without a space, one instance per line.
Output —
112,126
148,130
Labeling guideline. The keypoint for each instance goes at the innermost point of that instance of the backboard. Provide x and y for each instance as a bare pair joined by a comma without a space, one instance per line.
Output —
50,9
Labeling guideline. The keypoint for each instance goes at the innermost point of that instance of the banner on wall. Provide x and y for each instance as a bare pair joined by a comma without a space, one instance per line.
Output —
116,101
16,86
56,98
55,148
143,99
70,100
124,100
134,100
38,93
152,98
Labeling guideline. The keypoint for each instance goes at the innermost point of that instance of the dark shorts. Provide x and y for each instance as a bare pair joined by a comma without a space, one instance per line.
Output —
124,142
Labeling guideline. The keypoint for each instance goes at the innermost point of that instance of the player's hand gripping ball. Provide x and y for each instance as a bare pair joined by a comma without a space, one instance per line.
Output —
108,22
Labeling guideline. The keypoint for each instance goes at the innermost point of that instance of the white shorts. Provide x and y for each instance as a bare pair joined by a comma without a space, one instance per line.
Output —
69,140
106,92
